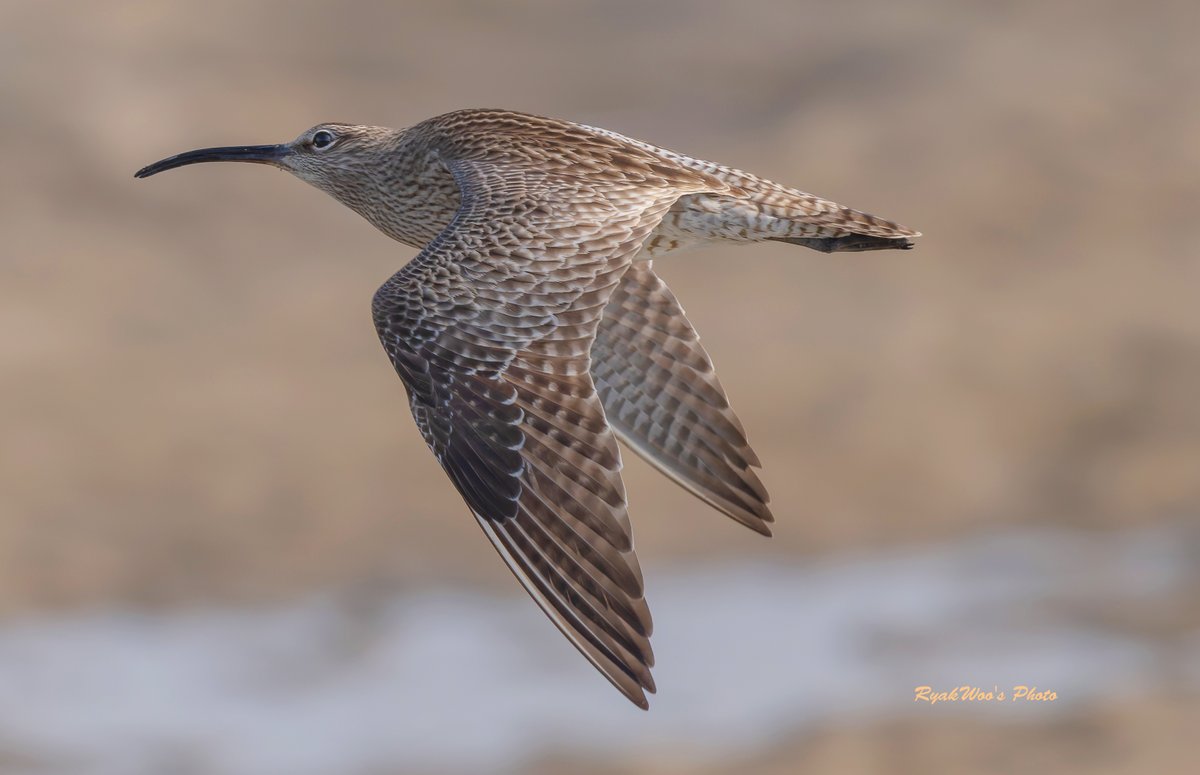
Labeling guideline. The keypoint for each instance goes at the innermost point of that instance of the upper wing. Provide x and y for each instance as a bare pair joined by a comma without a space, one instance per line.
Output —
490,328
662,397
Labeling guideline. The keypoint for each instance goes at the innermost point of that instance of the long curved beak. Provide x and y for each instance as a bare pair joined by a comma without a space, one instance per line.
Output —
258,154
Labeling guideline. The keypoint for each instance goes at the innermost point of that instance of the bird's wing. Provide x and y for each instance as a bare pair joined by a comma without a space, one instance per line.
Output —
490,328
662,397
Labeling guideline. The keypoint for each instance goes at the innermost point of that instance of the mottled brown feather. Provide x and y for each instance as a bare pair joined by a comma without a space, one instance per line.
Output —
662,397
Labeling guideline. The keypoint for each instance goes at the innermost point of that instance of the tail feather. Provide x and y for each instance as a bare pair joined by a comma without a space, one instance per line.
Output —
851,243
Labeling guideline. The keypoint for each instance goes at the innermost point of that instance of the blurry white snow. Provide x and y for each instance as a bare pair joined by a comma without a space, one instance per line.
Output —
462,682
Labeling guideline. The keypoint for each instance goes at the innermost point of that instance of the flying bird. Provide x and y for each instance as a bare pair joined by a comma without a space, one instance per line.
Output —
531,332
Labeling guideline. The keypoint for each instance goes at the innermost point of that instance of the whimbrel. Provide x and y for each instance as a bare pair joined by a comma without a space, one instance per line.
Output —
531,332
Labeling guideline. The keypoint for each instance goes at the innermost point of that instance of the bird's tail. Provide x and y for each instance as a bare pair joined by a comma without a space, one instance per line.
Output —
798,218
752,209
850,243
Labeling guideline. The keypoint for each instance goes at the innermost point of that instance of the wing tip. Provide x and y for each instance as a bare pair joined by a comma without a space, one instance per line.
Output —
763,528
637,694
754,514
757,517
629,672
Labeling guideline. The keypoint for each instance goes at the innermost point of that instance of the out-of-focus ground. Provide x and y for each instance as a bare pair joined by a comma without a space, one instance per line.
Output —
759,663
195,410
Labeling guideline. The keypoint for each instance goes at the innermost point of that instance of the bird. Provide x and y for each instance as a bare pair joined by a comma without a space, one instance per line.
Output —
530,332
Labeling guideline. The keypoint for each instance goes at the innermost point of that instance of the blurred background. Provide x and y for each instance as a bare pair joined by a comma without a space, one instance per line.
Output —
224,548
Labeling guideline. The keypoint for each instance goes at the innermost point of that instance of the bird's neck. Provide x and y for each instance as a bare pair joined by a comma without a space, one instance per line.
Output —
407,192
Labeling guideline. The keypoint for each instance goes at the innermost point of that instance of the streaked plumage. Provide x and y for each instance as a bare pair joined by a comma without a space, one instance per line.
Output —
531,331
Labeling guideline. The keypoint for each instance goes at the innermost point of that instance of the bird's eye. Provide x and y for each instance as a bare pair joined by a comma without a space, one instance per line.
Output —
322,139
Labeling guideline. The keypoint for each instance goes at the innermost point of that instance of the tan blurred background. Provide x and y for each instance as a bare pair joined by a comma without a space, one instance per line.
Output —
196,410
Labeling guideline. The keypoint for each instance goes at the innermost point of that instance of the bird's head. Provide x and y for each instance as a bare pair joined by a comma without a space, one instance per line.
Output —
373,170
329,156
